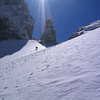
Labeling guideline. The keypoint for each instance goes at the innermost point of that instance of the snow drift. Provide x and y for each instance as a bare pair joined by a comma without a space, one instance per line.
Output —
69,71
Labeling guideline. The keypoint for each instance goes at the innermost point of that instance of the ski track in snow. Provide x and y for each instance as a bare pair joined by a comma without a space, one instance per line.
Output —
68,71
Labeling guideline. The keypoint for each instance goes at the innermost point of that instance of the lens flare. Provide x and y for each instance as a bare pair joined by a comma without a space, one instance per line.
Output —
44,11
42,8
40,11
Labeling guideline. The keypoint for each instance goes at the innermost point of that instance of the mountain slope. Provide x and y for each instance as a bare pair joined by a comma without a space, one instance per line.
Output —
17,48
69,71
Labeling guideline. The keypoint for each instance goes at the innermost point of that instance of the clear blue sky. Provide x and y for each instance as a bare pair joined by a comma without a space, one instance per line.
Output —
67,15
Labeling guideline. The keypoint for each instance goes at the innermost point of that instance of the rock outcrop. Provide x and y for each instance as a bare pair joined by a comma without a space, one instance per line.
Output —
48,37
15,20
84,29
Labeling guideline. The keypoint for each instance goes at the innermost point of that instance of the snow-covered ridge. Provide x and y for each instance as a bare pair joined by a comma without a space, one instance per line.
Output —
68,71
17,48
84,29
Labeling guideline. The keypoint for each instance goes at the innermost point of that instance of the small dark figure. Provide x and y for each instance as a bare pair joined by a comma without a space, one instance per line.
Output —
36,48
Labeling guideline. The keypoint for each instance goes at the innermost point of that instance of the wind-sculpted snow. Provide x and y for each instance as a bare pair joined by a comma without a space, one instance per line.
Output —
69,71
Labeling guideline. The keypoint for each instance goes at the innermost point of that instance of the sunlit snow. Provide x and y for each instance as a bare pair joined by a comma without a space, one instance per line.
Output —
69,71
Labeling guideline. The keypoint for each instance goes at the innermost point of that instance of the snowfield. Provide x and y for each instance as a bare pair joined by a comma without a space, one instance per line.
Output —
68,71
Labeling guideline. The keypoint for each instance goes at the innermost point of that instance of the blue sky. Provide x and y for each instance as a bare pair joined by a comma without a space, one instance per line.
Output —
67,15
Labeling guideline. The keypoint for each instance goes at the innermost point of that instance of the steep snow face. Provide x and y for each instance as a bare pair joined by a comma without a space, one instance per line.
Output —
69,71
85,29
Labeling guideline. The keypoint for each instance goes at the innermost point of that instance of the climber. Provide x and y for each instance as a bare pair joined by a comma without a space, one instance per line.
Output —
36,48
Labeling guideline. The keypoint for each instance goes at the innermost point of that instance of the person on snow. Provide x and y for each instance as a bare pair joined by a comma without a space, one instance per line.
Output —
36,48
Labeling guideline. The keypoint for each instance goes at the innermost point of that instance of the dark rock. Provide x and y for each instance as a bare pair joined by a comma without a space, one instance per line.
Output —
48,37
15,20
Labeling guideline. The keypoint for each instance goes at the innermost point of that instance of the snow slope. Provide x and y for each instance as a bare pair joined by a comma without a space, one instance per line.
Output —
69,71
17,48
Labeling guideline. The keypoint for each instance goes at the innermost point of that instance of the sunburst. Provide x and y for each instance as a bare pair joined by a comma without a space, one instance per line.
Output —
42,10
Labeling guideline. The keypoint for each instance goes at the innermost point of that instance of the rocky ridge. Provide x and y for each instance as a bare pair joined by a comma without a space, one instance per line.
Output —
48,37
84,29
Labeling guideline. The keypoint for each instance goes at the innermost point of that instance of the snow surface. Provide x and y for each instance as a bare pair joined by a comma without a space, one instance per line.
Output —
68,71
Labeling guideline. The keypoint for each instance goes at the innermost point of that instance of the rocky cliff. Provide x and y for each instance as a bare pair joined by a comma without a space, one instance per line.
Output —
48,37
15,21
85,29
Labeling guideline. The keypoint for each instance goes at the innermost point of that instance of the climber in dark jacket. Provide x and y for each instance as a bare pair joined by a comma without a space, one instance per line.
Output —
36,48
